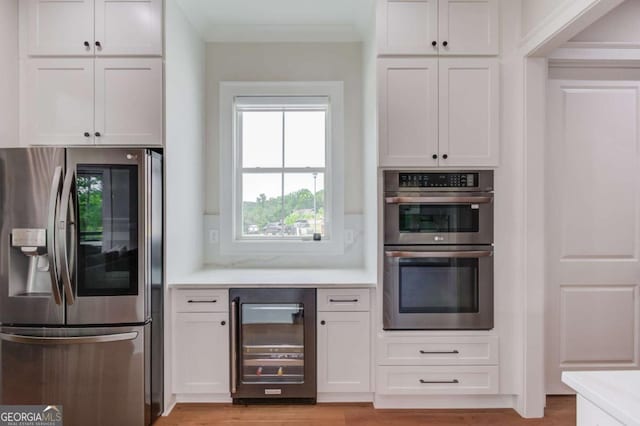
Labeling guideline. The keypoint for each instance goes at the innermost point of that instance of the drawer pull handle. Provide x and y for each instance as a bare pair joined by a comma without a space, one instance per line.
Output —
343,301
439,382
202,301
455,351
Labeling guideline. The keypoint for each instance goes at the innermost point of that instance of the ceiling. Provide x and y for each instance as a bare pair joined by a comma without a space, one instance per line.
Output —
281,20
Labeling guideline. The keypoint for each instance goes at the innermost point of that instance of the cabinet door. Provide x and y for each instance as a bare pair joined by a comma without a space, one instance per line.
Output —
407,27
343,352
408,112
60,27
468,27
59,102
201,352
128,101
128,27
469,112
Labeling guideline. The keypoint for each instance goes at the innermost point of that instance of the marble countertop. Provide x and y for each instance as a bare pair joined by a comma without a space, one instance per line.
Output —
276,277
615,392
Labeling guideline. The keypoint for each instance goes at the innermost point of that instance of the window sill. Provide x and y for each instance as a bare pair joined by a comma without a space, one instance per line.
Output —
334,246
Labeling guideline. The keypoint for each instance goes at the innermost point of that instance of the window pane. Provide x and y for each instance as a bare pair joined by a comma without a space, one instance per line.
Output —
261,139
305,138
300,219
262,204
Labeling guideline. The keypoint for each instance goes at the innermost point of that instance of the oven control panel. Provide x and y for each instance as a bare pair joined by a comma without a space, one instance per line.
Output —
438,180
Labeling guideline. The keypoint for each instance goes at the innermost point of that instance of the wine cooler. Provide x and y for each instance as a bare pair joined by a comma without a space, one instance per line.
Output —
273,345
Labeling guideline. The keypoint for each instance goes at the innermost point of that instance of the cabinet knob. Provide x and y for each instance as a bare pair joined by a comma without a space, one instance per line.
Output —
445,43
323,322
434,43
98,134
223,323
445,156
87,134
98,44
434,156
86,44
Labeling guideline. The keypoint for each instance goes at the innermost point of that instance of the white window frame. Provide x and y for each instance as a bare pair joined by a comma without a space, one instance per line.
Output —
231,240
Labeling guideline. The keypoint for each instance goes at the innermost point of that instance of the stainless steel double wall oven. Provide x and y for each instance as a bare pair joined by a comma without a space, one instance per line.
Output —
81,280
438,250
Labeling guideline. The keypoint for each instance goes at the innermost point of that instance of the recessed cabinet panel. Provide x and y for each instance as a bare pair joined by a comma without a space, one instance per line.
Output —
128,101
128,27
407,27
343,352
201,353
59,101
469,112
60,27
408,112
469,27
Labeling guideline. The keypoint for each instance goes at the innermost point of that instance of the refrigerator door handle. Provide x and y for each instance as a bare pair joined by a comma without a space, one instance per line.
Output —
54,198
66,259
78,340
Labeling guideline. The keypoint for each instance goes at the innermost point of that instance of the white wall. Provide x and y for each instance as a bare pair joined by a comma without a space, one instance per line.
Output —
621,25
185,134
9,66
535,11
289,62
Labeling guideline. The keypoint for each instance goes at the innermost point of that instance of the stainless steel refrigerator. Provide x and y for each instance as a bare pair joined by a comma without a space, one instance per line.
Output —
81,280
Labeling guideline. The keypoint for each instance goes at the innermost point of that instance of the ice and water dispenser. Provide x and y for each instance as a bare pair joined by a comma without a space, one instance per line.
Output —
29,263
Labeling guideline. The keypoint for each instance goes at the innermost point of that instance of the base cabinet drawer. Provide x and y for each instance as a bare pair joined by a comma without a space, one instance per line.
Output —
340,299
471,350
201,300
437,380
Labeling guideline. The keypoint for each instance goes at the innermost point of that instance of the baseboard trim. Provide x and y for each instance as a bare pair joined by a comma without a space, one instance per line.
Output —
329,397
443,401
218,398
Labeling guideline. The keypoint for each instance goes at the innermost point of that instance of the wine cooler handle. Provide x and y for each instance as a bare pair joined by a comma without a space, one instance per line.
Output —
234,344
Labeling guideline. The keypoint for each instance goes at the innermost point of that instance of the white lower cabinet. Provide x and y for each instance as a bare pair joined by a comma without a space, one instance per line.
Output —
201,352
343,352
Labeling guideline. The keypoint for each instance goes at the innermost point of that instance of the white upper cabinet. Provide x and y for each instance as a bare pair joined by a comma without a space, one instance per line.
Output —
407,27
408,111
128,27
438,27
59,101
93,27
467,27
128,101
469,112
438,112
59,27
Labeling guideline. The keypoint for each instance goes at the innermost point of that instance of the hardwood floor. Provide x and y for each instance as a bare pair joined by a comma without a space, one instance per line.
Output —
561,411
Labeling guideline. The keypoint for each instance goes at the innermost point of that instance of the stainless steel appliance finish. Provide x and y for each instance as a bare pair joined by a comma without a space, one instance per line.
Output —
438,288
98,273
273,345
438,207
438,250
97,374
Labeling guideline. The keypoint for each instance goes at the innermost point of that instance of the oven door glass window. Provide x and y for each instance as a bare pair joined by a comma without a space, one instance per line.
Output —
434,285
107,206
272,343
439,218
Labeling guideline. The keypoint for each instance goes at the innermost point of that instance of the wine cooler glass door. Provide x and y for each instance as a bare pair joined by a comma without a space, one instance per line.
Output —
272,343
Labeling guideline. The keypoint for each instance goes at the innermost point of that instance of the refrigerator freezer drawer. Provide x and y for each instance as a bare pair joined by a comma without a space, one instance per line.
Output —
96,374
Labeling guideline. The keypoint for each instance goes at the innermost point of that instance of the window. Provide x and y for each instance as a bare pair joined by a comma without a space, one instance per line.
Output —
281,167
281,170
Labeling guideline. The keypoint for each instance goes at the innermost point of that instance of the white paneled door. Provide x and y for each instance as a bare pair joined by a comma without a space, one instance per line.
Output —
59,27
469,112
128,101
128,27
408,112
59,101
593,236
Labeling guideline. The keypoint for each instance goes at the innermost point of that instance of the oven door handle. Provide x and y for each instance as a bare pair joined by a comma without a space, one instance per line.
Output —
478,199
438,254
